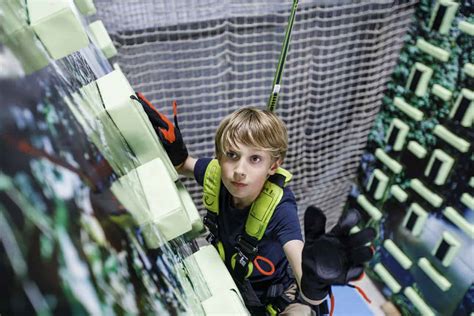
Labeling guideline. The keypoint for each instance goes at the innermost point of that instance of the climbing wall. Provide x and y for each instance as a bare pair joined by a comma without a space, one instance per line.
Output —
415,183
93,218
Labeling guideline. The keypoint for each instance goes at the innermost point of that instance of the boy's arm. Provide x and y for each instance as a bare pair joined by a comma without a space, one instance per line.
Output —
293,250
187,167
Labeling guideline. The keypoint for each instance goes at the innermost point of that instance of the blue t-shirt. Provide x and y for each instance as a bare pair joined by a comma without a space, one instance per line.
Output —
283,227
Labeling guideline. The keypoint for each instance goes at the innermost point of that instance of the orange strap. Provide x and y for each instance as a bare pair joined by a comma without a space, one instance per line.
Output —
333,305
362,293
267,261
362,275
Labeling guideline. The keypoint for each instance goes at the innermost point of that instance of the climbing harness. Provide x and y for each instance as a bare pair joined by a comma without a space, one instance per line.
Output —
246,256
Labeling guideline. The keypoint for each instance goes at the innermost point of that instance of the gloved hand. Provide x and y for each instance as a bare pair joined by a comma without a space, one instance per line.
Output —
168,133
333,258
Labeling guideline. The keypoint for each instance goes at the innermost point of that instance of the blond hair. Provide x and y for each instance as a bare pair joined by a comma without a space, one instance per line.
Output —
253,127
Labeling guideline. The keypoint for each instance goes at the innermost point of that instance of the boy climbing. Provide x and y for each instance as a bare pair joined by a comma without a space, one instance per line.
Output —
252,216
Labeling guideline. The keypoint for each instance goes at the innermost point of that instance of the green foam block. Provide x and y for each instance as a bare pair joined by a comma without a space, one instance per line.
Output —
214,271
151,196
422,85
392,164
426,193
129,191
86,7
417,149
432,50
398,193
454,246
131,120
164,202
468,117
409,110
382,184
469,69
101,39
387,278
450,8
17,35
224,303
457,142
57,26
418,302
369,208
441,92
27,49
191,211
434,275
402,133
459,221
447,163
13,17
420,221
398,254
466,27
87,108
467,200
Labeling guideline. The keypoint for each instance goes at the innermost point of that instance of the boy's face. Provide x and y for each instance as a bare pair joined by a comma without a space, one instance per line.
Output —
244,172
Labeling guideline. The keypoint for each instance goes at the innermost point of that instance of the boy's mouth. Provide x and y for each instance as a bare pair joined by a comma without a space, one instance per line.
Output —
238,184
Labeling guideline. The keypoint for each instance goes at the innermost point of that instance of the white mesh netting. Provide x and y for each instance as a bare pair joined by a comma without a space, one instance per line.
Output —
215,56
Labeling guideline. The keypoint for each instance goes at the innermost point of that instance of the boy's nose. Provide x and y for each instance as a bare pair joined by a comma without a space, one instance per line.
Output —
239,171
238,175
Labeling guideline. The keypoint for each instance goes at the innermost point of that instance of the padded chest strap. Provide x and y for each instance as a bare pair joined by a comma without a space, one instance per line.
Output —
262,210
265,204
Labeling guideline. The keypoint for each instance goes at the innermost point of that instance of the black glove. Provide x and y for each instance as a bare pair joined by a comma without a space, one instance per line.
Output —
168,133
333,258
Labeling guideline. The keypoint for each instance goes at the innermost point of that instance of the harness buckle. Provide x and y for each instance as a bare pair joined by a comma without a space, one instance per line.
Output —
241,266
210,220
247,247
242,259
210,238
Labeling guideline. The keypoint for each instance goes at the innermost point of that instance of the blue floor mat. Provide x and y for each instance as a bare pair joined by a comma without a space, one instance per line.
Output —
349,302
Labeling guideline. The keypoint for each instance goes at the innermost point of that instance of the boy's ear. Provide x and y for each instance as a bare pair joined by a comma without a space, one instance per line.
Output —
274,167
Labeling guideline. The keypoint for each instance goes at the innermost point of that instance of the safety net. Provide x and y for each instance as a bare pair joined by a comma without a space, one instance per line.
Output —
215,56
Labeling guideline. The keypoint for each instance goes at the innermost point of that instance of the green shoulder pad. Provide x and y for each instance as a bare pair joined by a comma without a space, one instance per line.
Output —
288,176
262,209
212,186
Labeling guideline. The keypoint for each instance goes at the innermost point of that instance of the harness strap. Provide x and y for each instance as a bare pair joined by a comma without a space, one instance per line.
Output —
210,220
277,298
242,260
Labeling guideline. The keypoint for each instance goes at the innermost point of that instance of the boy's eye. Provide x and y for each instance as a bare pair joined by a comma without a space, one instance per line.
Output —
256,159
231,155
